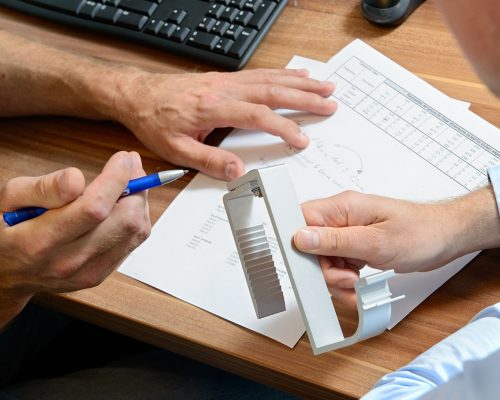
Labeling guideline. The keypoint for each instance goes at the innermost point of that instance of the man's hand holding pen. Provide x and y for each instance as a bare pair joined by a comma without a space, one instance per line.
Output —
80,241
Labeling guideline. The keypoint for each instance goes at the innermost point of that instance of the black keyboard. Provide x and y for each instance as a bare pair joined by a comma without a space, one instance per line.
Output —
224,33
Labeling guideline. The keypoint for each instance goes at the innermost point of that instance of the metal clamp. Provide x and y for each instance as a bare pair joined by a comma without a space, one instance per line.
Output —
274,186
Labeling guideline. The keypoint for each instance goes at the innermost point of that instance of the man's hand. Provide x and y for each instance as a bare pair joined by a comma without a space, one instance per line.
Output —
173,114
77,243
351,230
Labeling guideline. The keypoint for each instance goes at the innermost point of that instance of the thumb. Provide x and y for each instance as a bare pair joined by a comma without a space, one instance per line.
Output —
53,190
219,163
350,242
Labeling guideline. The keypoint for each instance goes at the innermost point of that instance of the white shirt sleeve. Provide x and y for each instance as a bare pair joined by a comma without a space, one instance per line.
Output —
451,368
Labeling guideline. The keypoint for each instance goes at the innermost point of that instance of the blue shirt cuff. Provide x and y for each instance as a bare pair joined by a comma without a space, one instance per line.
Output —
445,362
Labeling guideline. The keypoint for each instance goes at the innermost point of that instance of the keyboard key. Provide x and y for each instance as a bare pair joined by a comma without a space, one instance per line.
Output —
240,45
180,34
89,9
139,6
223,45
243,17
237,3
216,10
113,3
206,24
167,30
233,31
252,5
153,26
107,14
229,14
220,27
177,16
70,6
131,20
262,14
203,40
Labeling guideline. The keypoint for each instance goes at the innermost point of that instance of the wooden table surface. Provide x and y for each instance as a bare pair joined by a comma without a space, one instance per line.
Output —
316,29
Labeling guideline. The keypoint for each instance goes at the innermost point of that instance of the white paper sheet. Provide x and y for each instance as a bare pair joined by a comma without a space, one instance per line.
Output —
392,135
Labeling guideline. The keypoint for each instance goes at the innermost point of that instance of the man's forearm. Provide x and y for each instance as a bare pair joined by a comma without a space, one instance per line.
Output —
36,79
475,221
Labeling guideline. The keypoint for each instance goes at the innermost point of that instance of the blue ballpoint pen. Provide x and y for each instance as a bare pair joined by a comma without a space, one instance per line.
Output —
135,185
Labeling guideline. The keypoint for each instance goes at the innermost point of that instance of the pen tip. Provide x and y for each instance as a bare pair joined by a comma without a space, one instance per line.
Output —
186,171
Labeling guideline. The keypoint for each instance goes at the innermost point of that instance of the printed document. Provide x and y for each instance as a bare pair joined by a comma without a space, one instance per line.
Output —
393,135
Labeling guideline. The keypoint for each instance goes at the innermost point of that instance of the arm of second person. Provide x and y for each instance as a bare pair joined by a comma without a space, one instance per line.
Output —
350,230
172,114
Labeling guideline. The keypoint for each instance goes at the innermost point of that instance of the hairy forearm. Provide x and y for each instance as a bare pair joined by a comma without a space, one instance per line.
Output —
36,79
475,221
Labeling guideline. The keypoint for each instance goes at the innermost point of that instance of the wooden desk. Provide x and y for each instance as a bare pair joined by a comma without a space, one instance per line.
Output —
314,28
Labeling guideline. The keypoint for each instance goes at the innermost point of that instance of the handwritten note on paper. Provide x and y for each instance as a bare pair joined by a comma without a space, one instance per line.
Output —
392,135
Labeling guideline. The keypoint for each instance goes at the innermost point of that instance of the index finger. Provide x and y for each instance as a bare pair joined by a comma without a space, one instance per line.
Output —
348,208
240,114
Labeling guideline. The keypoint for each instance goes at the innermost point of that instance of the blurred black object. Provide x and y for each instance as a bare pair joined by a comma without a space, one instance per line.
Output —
388,12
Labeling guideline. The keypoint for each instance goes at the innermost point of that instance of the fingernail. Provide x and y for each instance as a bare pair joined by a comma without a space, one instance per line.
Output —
305,139
346,283
303,71
231,170
62,181
136,158
127,160
308,239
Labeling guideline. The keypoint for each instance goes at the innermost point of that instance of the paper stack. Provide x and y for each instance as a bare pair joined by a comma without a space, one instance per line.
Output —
393,134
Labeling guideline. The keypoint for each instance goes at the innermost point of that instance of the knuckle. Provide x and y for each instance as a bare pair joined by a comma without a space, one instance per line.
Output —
210,161
133,222
348,201
267,75
274,91
8,190
145,232
136,225
333,241
67,267
349,195
260,111
96,209
206,100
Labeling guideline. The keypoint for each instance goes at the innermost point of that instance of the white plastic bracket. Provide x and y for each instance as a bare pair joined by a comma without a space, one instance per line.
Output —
274,186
